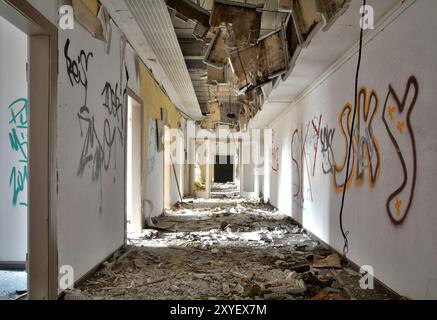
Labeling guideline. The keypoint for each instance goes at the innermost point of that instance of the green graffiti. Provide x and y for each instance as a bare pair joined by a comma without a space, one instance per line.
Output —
19,144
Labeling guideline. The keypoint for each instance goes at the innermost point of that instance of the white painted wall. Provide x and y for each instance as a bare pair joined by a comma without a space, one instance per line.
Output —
91,150
13,160
404,256
49,8
155,175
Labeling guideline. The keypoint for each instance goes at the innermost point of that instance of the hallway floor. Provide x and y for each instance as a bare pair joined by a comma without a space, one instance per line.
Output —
13,284
225,248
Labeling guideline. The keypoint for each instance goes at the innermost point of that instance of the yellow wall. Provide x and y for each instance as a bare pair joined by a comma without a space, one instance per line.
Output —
93,5
153,99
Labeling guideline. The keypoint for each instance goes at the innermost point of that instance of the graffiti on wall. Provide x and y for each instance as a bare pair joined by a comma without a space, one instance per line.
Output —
326,140
77,69
153,146
304,150
97,148
100,133
366,156
275,153
18,111
397,120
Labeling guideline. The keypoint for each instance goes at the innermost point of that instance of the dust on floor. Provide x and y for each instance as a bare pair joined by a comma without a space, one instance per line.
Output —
225,248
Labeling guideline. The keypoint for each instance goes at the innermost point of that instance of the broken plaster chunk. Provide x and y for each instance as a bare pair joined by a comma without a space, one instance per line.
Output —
331,261
296,287
251,291
239,289
215,251
301,268
292,275
278,256
175,288
226,288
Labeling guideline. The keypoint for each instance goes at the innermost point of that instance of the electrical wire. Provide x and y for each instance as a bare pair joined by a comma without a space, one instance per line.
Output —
344,233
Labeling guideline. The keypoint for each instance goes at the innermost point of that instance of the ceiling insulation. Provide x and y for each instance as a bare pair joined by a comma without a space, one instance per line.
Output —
218,53
285,5
242,20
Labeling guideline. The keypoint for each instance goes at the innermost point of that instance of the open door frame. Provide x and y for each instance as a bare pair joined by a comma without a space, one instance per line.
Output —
140,218
43,73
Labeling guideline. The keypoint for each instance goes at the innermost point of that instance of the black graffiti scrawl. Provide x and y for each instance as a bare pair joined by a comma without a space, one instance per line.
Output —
397,120
98,148
77,69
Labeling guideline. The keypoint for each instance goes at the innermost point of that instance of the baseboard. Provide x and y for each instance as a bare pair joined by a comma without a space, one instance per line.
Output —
13,266
90,273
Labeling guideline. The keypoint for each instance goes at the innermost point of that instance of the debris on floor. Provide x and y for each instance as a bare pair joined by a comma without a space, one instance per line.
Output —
225,248
13,285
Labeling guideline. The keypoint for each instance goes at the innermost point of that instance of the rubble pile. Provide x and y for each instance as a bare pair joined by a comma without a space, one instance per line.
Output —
228,249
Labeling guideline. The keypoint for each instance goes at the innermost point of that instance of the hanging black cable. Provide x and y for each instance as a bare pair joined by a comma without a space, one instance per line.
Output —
344,233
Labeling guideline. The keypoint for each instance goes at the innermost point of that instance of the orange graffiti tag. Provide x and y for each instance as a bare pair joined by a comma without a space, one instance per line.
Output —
391,112
401,126
398,206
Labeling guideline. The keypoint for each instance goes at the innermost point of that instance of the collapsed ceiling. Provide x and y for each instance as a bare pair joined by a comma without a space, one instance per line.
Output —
237,52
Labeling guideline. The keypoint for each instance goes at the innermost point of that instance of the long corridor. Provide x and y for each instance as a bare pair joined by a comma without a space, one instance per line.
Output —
225,248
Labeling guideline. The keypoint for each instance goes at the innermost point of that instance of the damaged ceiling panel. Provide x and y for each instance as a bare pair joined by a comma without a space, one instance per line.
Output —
244,65
272,57
245,49
216,75
308,19
294,44
332,10
218,53
191,11
242,20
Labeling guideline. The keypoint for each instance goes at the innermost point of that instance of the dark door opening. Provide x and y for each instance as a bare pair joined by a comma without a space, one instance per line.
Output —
223,169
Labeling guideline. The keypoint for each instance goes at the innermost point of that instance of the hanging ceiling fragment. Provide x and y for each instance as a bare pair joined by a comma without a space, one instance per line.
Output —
272,57
244,64
242,20
294,44
216,75
285,5
242,68
214,115
218,53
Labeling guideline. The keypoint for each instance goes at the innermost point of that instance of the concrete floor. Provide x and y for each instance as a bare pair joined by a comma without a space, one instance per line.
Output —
225,248
10,283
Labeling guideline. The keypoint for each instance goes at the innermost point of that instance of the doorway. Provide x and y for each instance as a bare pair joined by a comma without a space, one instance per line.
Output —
134,216
31,134
14,124
223,169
